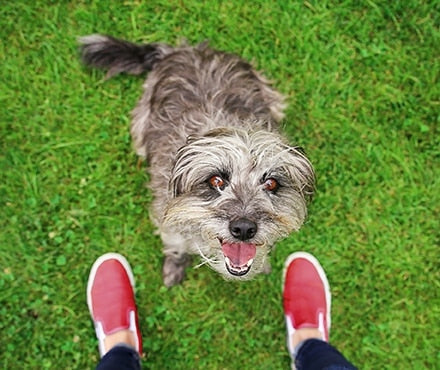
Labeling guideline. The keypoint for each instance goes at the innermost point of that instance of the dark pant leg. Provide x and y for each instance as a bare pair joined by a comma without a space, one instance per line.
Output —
120,358
315,354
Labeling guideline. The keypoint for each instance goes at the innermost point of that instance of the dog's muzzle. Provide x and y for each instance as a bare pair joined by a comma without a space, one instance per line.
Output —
239,257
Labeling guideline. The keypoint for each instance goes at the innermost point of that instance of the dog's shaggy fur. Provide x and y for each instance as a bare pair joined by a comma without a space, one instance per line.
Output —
226,184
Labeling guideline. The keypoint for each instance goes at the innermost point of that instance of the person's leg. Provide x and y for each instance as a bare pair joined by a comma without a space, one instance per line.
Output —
317,354
120,357
306,302
110,298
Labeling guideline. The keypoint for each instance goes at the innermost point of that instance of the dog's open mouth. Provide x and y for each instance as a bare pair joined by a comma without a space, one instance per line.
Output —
239,257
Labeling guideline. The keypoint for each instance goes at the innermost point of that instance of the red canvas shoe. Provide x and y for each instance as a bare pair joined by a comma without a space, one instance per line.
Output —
306,296
110,297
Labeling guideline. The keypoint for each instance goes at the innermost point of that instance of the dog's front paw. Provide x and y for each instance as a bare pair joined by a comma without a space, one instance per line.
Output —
173,271
267,268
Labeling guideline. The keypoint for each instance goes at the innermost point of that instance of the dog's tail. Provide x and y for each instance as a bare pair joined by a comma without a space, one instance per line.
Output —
117,56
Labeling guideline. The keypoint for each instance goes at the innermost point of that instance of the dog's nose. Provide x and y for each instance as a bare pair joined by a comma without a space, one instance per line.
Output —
243,229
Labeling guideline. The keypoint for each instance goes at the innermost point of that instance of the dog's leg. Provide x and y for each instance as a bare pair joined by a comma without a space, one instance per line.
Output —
176,260
173,271
267,268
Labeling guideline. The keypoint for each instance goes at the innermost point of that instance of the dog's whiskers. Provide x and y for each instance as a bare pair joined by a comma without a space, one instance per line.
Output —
206,260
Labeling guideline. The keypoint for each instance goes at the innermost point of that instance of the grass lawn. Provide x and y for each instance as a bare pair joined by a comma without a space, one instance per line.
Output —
362,84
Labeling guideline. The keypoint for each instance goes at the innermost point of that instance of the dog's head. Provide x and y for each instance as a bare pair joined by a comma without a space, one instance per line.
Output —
235,193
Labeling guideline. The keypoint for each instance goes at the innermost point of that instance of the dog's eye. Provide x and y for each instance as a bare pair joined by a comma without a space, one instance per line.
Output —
271,185
217,182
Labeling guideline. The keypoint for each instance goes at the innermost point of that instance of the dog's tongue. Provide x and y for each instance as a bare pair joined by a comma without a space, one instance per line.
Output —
239,253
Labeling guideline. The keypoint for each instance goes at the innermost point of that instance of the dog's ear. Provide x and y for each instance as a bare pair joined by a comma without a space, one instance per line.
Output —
185,166
175,185
191,138
300,149
182,168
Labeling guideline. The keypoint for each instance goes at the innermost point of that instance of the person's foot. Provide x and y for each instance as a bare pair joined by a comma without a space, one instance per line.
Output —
306,300
110,297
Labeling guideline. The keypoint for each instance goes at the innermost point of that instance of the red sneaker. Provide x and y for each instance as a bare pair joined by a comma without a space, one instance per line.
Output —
306,296
110,297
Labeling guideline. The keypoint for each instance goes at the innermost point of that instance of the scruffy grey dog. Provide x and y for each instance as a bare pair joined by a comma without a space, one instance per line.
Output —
226,184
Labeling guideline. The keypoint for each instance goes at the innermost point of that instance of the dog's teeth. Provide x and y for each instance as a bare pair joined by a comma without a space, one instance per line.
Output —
238,268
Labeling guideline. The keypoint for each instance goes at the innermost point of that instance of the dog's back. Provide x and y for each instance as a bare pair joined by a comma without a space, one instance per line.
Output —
196,88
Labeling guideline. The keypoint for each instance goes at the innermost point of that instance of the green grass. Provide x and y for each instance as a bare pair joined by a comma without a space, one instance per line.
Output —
362,83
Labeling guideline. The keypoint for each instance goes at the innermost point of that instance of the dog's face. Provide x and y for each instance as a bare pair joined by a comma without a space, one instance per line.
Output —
234,194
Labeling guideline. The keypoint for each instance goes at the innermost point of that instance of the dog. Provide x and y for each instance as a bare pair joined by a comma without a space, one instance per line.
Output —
226,184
